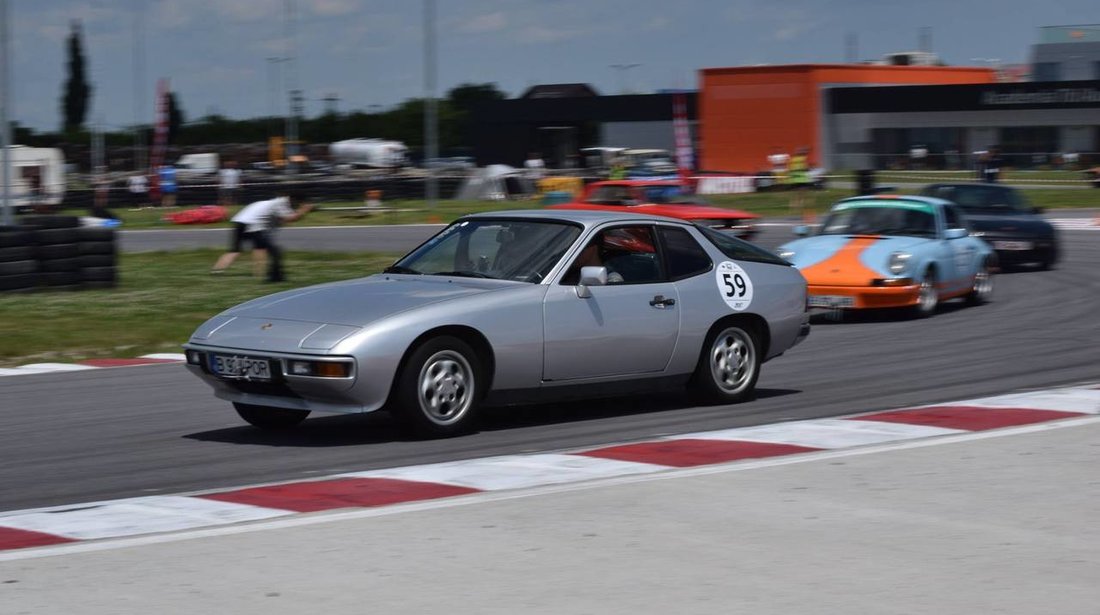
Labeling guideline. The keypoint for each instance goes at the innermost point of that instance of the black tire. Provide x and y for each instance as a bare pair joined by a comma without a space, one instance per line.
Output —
717,380
928,298
16,282
98,260
52,221
450,406
270,418
982,292
60,278
95,233
51,236
60,264
96,247
61,250
21,237
18,267
16,253
99,274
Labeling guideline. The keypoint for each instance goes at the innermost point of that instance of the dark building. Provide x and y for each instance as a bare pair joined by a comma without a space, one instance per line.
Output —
556,121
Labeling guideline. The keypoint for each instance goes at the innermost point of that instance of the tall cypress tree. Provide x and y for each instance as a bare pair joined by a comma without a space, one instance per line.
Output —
74,101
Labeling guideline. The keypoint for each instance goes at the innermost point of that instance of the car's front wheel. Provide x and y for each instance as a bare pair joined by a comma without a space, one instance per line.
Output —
439,388
982,290
729,365
928,296
267,417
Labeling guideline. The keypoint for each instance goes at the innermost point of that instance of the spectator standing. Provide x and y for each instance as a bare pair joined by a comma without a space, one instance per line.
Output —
777,163
534,168
229,183
258,223
167,186
991,170
138,187
798,174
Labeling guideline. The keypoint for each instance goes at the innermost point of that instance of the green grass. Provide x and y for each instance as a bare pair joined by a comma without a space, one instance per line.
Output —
161,298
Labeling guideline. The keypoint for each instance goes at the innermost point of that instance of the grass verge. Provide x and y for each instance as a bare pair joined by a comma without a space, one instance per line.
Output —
161,298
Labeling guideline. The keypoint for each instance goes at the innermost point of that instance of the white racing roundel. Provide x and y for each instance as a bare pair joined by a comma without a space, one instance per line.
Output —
734,285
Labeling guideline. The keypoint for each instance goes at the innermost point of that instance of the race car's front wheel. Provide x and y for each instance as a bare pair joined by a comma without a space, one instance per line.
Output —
266,417
729,365
438,389
982,290
928,297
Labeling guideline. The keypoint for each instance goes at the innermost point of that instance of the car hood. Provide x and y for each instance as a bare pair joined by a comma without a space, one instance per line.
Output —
1021,224
847,260
317,317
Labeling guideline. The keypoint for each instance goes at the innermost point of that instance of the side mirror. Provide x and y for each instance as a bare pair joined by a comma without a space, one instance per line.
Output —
802,230
591,276
955,233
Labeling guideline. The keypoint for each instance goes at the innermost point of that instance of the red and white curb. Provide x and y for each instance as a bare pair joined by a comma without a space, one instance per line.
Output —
150,515
44,368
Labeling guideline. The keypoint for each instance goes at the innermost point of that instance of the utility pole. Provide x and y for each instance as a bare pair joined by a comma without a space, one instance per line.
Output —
622,68
139,86
5,109
431,135
295,94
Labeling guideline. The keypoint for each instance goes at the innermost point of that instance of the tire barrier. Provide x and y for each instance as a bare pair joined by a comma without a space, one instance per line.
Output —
55,253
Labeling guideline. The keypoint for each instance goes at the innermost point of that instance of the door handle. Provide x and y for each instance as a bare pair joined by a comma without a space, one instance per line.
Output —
660,302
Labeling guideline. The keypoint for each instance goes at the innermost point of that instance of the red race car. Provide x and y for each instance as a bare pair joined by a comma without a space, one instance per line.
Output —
662,198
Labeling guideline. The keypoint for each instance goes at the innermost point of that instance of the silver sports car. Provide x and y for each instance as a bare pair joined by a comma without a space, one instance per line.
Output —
507,308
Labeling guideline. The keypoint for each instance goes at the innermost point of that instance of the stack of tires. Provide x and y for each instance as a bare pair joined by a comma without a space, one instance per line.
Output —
98,257
18,267
57,250
56,253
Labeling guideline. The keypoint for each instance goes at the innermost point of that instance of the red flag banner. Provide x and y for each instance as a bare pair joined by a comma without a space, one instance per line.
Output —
685,159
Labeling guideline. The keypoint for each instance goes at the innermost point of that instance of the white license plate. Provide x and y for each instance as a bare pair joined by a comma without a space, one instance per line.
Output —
244,368
831,301
1011,245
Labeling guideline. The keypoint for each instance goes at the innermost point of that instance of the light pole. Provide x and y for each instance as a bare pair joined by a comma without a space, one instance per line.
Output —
622,68
431,136
274,86
5,108
139,86
294,94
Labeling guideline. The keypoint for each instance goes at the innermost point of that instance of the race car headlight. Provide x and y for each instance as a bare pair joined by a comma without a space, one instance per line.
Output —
899,261
785,254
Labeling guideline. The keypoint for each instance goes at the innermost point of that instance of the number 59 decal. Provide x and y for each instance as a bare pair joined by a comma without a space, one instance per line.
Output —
734,285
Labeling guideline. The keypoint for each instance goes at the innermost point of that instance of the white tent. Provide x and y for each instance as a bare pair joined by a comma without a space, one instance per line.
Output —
496,182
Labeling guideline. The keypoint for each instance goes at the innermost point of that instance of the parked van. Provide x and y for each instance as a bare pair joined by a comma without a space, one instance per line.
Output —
38,177
195,165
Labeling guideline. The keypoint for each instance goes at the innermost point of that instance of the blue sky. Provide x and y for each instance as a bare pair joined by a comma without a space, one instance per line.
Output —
369,52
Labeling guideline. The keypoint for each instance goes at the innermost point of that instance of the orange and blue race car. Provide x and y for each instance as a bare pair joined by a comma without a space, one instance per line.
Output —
660,197
892,251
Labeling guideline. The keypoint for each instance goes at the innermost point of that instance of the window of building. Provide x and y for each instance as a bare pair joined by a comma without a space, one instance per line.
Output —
1047,71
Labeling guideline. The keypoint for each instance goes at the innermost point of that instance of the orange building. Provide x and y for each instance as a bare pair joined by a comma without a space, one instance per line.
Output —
745,113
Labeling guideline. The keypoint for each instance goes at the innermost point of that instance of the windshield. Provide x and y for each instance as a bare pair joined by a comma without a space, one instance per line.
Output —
881,220
519,250
982,199
628,195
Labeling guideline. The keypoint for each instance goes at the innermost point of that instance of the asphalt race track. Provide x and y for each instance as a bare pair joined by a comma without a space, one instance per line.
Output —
67,438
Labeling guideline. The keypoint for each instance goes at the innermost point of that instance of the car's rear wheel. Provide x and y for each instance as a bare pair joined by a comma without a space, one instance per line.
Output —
982,291
439,388
729,365
268,417
928,296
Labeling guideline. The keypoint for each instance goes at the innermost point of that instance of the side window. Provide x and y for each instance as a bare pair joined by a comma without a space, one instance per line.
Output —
628,252
740,250
683,256
952,217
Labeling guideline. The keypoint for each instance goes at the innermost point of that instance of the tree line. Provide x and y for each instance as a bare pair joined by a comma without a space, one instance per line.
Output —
404,122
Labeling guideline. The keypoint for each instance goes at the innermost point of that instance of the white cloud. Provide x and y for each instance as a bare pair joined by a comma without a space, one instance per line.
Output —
543,34
332,8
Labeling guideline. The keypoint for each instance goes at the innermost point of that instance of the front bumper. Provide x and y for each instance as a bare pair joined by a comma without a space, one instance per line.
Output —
286,390
821,297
